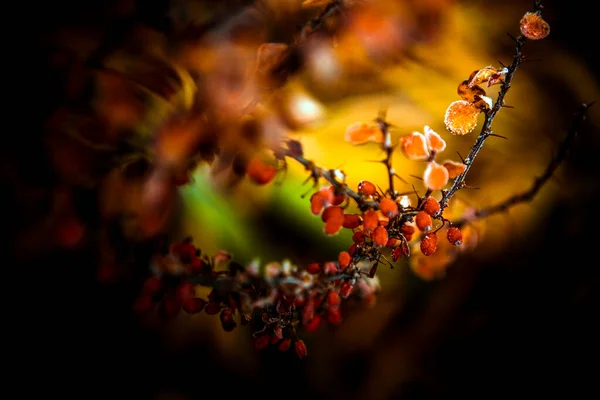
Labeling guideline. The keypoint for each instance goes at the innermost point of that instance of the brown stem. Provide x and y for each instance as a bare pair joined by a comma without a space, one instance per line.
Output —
538,183
486,129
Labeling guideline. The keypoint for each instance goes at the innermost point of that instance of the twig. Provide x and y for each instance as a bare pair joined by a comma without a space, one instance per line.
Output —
330,176
538,183
486,129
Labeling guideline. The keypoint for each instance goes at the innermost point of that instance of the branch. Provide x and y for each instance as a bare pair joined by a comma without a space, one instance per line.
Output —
330,176
559,157
486,129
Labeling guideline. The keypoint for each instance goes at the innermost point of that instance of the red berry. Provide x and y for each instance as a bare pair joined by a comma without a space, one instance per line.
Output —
344,259
407,229
333,299
313,268
193,305
261,342
346,289
334,316
429,244
423,221
454,236
388,207
367,188
227,321
352,221
300,348
285,344
380,236
431,206
314,324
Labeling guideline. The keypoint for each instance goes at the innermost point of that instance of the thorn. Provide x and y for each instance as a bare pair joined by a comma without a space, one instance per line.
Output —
512,37
500,136
415,190
502,64
401,178
465,186
417,177
588,105
461,158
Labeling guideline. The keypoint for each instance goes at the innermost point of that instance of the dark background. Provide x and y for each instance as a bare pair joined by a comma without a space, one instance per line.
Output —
74,338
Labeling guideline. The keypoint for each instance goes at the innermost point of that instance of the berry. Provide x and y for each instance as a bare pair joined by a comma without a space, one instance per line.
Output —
429,244
454,236
423,221
431,206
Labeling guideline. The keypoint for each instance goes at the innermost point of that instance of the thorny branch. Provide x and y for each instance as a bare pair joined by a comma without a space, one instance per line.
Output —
538,183
486,129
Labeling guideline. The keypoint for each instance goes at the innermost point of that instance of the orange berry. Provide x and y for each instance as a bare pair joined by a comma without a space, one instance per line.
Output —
533,26
391,242
359,237
380,236
333,299
333,217
370,220
317,203
351,221
407,229
367,188
332,212
388,207
454,236
344,259
431,206
429,244
423,221
461,117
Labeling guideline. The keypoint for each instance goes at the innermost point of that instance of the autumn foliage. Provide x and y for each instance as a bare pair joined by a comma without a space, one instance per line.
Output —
224,103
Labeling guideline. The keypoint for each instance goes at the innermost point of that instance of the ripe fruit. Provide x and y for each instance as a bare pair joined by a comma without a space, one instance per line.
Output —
423,221
454,236
431,206
429,244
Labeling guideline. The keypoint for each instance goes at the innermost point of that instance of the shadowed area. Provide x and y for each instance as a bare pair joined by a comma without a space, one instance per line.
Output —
515,316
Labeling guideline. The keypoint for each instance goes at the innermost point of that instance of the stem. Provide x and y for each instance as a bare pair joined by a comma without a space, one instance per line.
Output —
538,183
329,175
486,129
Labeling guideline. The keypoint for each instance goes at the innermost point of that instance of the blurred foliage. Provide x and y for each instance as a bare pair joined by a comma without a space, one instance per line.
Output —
72,206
